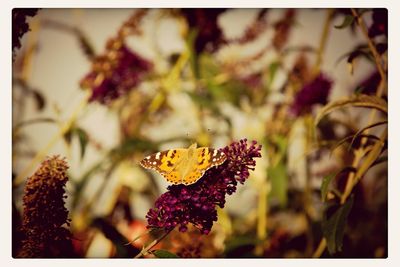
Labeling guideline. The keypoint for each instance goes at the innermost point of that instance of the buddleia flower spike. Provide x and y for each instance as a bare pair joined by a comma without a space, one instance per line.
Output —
197,203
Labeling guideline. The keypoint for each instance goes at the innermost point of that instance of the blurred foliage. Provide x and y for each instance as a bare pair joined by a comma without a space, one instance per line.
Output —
321,183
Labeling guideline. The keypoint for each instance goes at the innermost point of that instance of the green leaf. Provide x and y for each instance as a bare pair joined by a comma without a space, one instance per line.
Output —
371,157
366,128
68,136
203,100
334,226
273,67
193,57
83,140
208,67
328,178
160,253
325,185
368,136
82,136
360,100
347,21
279,183
341,142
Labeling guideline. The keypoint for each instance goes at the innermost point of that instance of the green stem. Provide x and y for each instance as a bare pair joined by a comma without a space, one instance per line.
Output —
323,40
152,244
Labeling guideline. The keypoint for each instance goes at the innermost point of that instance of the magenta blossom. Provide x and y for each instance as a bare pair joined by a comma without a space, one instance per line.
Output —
209,35
315,92
197,203
379,22
115,73
20,25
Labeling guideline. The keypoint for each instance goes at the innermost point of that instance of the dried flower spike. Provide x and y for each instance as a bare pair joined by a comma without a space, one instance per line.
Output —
197,203
44,216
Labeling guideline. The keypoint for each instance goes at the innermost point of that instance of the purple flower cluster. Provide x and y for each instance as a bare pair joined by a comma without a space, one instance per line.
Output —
19,25
115,73
283,28
379,22
209,35
315,92
196,203
370,84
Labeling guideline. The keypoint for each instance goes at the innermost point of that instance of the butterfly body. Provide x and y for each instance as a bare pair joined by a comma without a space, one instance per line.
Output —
184,165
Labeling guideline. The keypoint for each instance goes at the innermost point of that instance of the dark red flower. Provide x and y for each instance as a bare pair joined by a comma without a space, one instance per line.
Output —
197,203
19,25
115,73
379,22
315,92
209,35
370,84
283,28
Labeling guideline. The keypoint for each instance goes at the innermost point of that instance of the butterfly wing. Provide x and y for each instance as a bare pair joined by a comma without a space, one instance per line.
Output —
209,157
205,158
165,163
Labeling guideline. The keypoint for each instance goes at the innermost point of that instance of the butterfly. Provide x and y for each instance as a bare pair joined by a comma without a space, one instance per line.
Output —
184,165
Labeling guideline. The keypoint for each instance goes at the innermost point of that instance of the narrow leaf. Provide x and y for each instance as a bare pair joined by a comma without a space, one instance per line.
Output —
360,100
380,160
371,157
86,45
334,226
368,136
273,67
279,183
68,136
39,99
325,185
193,57
160,253
366,128
347,21
83,140
328,178
341,142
